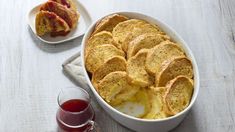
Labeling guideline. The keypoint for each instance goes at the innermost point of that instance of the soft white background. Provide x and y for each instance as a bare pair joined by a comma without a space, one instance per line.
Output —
31,74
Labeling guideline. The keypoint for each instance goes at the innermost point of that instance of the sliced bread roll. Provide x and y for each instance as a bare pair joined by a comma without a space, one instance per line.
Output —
178,94
173,68
99,55
136,70
146,41
100,38
116,63
113,84
109,22
124,29
70,16
156,101
121,30
137,31
160,53
47,22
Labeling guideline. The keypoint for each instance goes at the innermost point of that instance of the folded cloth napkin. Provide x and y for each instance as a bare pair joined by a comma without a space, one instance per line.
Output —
73,67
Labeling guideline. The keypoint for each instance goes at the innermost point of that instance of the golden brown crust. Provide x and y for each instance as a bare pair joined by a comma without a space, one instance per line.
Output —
109,22
121,30
116,63
100,38
144,29
136,70
178,94
173,68
145,41
100,54
164,51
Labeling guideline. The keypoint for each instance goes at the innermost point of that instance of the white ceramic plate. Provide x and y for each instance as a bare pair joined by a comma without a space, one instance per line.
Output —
83,23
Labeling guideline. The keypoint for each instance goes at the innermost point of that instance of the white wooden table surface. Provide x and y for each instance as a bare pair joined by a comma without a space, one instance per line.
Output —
31,74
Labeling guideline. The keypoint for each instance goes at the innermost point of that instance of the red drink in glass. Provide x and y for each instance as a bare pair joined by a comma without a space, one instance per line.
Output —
75,113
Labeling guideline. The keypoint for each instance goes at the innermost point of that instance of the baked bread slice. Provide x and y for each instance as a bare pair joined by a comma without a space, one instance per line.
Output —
122,29
157,105
173,68
137,31
113,84
109,22
160,53
68,3
47,22
116,63
178,94
100,38
136,70
68,15
99,55
145,41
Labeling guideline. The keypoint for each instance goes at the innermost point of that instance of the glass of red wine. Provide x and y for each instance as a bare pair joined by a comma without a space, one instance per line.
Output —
75,113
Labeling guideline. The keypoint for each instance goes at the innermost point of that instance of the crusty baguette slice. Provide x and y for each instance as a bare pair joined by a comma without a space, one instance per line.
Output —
173,68
121,30
144,29
100,54
116,63
109,22
100,38
136,70
47,22
178,94
156,101
146,41
160,53
70,16
113,84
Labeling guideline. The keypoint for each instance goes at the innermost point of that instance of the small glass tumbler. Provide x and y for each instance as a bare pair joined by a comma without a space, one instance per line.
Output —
75,113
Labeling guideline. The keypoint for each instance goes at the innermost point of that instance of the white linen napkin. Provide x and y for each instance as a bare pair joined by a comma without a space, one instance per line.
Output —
73,67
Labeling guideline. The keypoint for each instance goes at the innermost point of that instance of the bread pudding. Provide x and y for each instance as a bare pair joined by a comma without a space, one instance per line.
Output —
138,69
68,17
